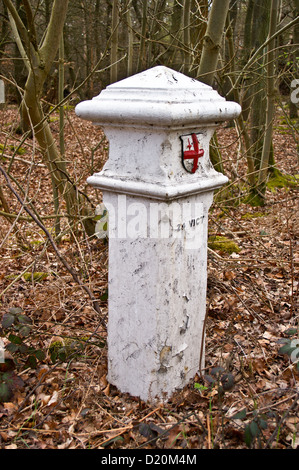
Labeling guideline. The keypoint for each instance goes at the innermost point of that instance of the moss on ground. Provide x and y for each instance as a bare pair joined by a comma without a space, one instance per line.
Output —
18,150
223,244
279,180
28,276
253,215
66,348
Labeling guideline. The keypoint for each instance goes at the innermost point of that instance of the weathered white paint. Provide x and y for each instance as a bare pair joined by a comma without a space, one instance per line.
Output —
158,214
2,92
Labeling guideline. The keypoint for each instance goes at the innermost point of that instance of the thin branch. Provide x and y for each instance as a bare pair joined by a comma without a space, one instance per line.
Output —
282,419
31,26
18,40
50,45
260,49
51,240
27,162
20,25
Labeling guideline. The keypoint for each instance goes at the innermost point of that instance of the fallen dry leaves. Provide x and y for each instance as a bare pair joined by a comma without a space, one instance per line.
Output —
252,300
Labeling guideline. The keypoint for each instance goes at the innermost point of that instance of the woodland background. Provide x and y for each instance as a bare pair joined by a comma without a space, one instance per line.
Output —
53,270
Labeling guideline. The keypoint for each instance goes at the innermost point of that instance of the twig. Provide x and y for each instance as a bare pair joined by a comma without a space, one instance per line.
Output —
29,219
16,279
51,240
8,157
285,415
209,431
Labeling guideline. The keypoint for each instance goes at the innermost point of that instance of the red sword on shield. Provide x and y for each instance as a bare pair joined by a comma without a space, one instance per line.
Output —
195,154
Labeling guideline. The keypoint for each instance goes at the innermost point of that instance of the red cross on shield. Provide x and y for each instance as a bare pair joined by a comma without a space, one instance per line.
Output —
191,152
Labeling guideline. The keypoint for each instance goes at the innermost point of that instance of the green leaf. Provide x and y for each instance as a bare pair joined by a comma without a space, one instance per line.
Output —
146,431
15,310
24,319
200,387
12,348
240,414
210,380
247,435
227,381
263,424
7,320
7,376
39,354
62,354
23,348
53,356
104,296
25,331
286,349
254,429
291,331
100,216
5,392
217,370
114,439
14,339
31,362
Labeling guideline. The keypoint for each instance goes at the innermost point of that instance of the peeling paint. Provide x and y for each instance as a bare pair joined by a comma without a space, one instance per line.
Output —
157,274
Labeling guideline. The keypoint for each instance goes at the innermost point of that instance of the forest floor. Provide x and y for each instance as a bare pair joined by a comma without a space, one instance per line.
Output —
55,395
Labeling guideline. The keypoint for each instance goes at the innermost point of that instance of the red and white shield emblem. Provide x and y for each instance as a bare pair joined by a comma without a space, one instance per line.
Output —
191,151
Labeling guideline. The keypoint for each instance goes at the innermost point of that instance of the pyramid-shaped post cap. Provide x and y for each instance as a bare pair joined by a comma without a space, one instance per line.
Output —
158,97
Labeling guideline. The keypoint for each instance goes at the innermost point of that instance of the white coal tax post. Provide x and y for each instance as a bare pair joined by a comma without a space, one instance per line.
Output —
2,94
157,186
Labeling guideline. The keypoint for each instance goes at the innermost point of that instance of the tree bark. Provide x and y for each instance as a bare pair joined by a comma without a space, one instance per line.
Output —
130,40
186,36
40,60
209,59
212,41
174,53
142,53
294,106
114,42
270,58
260,27
240,118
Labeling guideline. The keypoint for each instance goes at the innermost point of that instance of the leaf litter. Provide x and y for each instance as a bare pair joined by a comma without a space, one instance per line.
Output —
247,395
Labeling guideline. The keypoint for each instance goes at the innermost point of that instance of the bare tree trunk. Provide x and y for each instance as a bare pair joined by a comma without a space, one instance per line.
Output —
114,42
130,40
270,57
154,33
293,106
61,95
209,59
174,53
200,9
141,57
88,37
212,41
39,60
260,27
240,118
186,36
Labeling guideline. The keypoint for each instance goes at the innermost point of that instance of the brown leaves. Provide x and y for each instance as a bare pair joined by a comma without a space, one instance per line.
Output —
250,297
